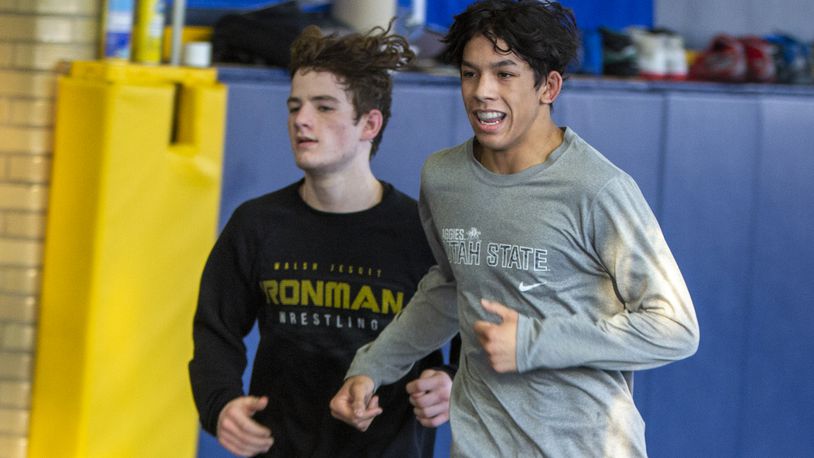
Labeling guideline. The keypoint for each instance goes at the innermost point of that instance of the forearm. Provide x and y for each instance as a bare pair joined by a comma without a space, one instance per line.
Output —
210,399
215,373
428,322
627,341
653,324
224,315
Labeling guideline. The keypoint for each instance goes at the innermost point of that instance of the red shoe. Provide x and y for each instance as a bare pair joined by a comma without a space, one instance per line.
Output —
723,60
760,63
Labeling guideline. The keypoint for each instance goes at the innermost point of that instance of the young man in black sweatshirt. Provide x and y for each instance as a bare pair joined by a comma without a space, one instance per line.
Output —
322,265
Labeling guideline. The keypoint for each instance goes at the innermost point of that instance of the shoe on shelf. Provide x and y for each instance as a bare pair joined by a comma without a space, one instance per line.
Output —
723,60
651,53
675,55
760,59
660,53
793,59
618,53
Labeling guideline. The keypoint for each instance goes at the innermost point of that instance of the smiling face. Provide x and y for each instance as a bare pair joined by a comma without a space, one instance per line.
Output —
324,134
507,113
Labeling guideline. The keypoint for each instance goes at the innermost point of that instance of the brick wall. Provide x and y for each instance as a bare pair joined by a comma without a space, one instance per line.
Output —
35,35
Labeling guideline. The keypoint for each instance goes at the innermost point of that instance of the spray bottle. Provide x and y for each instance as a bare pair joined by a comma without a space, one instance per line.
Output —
149,31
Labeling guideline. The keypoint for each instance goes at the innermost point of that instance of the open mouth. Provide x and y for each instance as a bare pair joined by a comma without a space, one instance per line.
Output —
490,118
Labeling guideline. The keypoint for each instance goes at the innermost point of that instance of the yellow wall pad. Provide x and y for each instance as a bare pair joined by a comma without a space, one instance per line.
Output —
132,216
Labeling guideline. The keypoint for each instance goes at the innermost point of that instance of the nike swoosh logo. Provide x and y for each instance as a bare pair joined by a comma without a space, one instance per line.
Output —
523,288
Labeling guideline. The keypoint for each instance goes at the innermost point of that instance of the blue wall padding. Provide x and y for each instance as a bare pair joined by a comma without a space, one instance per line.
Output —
228,4
708,202
617,14
257,136
590,14
599,115
441,12
778,405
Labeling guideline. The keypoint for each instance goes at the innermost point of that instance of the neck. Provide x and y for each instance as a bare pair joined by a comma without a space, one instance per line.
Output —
535,151
342,193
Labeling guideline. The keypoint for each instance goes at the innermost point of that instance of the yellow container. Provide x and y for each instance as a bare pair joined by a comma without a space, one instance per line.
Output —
132,216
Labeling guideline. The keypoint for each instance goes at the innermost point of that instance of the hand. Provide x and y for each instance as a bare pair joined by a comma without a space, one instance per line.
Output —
355,403
499,341
238,432
429,395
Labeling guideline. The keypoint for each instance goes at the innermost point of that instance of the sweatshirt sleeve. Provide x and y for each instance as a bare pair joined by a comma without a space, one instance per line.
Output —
224,316
451,368
428,321
657,324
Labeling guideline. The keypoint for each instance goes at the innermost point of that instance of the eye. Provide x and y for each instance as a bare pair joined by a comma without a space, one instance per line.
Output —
467,74
504,75
325,108
293,109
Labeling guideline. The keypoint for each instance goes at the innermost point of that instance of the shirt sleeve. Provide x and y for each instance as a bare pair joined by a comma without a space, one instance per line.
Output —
451,368
657,324
224,316
428,321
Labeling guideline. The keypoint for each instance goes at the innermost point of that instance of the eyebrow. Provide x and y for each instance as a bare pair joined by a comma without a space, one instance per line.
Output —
498,64
316,98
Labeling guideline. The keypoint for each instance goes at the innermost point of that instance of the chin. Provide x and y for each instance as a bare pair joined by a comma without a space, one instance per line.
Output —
303,164
305,157
489,142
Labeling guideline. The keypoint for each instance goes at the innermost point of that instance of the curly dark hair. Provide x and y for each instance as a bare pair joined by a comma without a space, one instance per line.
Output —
543,33
362,62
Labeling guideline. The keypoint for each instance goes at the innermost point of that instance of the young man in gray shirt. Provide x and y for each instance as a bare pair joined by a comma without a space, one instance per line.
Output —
562,279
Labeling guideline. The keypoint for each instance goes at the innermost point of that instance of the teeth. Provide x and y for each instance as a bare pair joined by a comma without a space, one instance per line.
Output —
490,116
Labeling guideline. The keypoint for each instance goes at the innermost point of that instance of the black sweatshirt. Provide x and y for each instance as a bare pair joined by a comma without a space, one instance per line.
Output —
319,285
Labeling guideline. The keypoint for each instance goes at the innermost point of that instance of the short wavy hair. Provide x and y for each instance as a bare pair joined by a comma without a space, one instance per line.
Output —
543,33
362,62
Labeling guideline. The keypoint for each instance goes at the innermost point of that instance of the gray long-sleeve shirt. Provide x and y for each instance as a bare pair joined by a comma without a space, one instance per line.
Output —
573,247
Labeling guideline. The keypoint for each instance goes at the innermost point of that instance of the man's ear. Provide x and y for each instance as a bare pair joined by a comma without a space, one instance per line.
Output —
551,88
372,124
